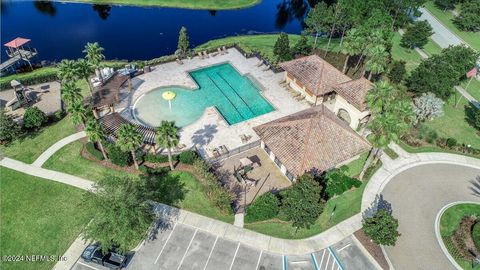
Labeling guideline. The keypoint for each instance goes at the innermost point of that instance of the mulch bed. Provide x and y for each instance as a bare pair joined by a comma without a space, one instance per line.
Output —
462,238
372,248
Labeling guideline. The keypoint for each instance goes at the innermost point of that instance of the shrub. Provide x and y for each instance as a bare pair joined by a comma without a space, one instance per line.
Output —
381,228
41,75
152,158
473,116
148,170
90,146
469,18
337,182
432,136
217,194
476,234
188,157
34,118
451,143
57,116
265,207
9,129
397,71
117,156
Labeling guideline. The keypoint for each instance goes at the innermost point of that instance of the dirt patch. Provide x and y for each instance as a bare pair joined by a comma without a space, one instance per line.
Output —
372,248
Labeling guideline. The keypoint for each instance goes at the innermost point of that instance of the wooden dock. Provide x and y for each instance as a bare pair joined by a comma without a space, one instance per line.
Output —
19,55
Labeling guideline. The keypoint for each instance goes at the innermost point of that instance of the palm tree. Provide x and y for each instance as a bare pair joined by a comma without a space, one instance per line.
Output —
352,45
167,137
94,55
128,139
377,59
78,113
83,70
71,93
95,133
66,71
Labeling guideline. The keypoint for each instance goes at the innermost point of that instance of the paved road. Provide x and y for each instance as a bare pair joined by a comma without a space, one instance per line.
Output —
416,196
442,35
179,246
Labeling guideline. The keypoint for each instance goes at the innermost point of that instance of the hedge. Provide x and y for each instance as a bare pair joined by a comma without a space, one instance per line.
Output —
41,75
188,157
266,206
90,146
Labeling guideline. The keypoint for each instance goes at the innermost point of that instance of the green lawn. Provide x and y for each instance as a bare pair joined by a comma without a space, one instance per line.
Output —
453,125
432,48
473,88
38,217
29,148
262,43
69,160
191,4
412,58
449,222
355,167
445,17
196,201
346,205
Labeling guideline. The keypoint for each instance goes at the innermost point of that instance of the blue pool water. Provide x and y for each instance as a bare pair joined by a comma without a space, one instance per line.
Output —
234,96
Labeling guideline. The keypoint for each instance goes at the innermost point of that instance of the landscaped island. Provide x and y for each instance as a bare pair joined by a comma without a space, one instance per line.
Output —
192,4
460,232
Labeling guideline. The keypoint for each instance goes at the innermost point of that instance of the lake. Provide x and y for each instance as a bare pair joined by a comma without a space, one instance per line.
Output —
61,30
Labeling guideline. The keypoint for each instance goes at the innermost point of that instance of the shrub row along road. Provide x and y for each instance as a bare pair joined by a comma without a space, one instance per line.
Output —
416,196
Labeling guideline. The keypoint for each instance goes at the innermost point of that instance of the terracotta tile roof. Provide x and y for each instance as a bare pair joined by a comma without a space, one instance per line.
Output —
355,92
312,139
316,74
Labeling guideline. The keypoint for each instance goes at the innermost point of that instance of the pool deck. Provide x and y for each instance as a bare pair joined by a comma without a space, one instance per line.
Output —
211,130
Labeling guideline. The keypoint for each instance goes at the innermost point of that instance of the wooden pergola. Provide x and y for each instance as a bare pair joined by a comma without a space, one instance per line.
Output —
111,123
105,96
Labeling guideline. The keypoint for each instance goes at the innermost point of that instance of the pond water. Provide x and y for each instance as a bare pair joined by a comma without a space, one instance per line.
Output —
60,30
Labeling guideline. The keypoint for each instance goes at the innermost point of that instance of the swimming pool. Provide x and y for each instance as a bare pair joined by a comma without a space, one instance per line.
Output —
234,96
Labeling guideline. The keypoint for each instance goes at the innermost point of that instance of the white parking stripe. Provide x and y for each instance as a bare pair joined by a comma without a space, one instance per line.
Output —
168,238
79,262
328,260
259,257
323,255
234,256
344,247
338,267
211,251
333,264
188,247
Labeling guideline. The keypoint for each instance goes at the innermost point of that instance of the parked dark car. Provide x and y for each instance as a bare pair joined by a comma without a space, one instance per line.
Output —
111,259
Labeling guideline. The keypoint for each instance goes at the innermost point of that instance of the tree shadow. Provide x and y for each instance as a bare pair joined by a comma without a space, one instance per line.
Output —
167,216
378,204
475,188
45,7
204,136
470,115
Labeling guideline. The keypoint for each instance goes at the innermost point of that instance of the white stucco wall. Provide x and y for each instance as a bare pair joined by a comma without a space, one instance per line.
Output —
355,114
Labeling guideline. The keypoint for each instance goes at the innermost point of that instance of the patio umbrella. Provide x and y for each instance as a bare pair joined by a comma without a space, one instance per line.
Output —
169,95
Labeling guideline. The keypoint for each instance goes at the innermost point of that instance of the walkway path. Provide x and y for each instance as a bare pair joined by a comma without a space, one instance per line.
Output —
55,147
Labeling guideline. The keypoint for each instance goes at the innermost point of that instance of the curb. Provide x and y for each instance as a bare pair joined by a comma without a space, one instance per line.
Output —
437,231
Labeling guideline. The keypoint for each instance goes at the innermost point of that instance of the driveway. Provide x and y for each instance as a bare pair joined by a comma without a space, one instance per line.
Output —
179,246
442,35
416,196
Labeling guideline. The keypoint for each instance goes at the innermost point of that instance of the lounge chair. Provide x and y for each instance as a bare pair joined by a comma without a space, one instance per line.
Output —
179,61
224,49
214,54
300,98
295,94
266,68
205,54
259,64
200,55
220,51
223,149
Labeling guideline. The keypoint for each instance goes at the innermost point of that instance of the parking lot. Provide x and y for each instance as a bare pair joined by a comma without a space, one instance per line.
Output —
180,246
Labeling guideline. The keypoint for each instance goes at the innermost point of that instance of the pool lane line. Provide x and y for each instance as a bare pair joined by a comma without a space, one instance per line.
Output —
231,103
314,261
332,252
235,91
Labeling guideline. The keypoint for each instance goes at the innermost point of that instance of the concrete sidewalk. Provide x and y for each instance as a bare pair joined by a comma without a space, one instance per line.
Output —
57,146
442,35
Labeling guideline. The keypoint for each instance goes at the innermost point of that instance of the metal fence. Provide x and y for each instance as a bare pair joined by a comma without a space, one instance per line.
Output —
233,152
